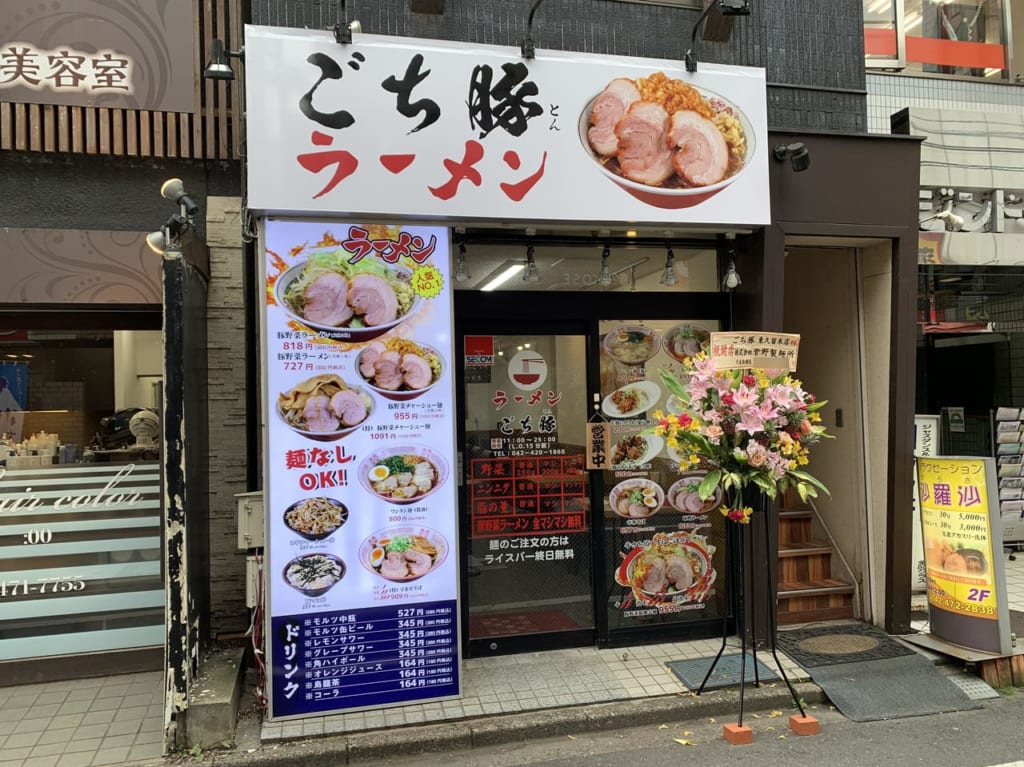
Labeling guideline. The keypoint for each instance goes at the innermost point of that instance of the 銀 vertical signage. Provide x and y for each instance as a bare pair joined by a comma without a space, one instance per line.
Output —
362,567
963,552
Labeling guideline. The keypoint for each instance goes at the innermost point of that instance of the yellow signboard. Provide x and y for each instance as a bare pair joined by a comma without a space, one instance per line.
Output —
957,536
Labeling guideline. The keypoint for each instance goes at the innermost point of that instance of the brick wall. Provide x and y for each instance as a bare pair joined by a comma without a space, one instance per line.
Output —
226,407
813,52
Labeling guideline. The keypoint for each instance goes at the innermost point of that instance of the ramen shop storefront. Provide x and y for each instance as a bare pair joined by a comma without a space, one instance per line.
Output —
427,431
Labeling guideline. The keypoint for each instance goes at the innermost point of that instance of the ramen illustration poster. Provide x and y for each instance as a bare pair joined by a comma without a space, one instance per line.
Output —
361,570
665,546
963,552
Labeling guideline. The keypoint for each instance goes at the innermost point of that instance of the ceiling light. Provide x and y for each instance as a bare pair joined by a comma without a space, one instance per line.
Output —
531,273
606,273
669,277
731,280
505,276
461,270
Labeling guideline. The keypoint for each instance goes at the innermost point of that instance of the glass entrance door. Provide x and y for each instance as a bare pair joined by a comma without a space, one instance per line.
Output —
529,580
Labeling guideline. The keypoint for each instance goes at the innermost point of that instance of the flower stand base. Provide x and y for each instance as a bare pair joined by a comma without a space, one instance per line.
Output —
738,734
804,725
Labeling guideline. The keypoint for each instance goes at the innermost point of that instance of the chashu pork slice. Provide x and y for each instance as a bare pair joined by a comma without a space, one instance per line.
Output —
326,300
608,109
702,156
644,152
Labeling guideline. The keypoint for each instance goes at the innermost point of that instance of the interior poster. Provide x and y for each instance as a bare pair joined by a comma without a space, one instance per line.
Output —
963,552
665,547
361,574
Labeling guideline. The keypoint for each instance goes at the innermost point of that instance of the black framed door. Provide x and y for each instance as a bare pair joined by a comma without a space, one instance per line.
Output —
543,546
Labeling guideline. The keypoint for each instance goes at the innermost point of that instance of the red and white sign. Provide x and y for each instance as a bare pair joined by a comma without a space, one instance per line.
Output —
394,126
478,350
527,370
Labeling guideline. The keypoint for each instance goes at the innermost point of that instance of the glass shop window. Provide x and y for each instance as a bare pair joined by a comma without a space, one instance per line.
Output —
959,39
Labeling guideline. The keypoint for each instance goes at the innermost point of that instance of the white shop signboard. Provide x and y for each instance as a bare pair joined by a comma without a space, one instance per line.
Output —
402,127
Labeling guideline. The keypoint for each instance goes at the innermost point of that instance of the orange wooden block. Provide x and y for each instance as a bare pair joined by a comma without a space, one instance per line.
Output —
738,734
804,725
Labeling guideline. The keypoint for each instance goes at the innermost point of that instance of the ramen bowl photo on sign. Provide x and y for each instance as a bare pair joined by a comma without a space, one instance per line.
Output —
667,143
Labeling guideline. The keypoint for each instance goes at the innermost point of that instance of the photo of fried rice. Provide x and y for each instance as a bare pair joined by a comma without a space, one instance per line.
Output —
315,518
662,132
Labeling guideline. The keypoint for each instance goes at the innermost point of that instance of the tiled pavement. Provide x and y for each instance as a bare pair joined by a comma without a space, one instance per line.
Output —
118,720
81,723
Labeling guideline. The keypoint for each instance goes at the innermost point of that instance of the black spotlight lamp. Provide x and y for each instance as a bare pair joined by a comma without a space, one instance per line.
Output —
344,28
797,154
526,47
219,67
726,8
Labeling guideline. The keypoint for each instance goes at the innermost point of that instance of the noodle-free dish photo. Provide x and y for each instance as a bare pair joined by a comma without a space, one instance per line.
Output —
631,400
399,369
314,574
665,141
324,407
403,474
346,301
634,450
315,518
403,554
631,344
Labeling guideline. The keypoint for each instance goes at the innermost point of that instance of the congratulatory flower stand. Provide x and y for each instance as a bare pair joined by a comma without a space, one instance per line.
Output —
751,429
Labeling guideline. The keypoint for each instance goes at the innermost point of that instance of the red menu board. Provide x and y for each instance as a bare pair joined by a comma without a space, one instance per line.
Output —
532,495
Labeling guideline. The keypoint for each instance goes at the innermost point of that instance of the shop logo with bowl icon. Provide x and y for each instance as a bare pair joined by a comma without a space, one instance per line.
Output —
527,370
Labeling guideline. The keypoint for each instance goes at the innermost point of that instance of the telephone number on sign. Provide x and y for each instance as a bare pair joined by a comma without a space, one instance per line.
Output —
56,585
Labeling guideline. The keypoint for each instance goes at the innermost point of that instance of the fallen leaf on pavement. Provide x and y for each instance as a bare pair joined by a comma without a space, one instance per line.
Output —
684,742
775,713
571,737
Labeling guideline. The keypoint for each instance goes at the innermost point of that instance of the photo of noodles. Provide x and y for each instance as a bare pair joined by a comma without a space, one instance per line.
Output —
404,553
399,369
315,518
404,474
324,407
674,567
661,132
329,293
631,344
684,495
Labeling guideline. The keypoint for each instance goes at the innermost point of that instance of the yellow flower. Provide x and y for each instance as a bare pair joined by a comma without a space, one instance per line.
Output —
694,458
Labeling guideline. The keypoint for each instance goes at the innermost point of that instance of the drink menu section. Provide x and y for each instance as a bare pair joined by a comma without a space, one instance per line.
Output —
665,547
522,496
361,572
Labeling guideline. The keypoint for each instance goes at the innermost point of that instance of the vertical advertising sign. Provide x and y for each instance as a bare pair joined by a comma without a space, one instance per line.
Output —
926,444
962,550
362,567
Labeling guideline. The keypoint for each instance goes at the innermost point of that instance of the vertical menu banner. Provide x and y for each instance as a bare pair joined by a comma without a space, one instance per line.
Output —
361,572
967,597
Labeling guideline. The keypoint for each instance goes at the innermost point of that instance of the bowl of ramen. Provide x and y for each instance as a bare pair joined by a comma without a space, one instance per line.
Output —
672,568
664,141
636,498
324,407
403,474
685,341
315,518
631,344
403,554
684,495
345,301
399,369
314,574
